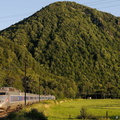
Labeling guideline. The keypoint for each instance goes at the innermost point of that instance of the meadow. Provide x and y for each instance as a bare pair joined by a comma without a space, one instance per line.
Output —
96,107
70,109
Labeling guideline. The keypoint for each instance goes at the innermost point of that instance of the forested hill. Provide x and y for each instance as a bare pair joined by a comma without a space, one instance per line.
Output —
75,50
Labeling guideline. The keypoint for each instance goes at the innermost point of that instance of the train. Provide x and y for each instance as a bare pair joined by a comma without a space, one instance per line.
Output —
12,98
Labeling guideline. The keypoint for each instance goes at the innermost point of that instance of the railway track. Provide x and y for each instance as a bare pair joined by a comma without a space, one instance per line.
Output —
5,114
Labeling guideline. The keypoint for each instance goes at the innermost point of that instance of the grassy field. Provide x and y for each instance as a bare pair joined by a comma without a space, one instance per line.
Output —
70,109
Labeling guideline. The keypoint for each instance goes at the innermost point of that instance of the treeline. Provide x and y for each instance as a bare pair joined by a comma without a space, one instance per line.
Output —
73,49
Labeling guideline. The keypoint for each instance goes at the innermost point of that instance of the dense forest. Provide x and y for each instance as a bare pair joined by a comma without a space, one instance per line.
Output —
72,49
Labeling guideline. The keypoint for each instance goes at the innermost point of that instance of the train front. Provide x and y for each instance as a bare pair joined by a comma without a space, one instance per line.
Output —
3,100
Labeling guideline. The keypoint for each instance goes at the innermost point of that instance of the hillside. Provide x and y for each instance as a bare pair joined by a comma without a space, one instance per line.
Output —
68,46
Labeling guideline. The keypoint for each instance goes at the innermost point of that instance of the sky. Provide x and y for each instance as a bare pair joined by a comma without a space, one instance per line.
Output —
13,11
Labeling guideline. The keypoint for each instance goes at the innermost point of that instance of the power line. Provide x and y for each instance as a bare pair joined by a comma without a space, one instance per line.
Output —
89,3
94,2
8,18
11,20
100,2
17,15
108,6
112,1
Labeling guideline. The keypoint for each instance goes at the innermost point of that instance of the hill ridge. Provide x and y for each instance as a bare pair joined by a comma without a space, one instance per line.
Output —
72,42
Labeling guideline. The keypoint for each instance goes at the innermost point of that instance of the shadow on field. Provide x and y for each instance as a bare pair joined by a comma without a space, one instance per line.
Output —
33,114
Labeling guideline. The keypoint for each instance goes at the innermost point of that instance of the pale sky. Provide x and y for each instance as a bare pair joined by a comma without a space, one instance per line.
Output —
13,11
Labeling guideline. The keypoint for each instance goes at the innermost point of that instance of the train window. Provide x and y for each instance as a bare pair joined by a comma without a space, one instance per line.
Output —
20,98
42,98
2,93
31,98
14,98
27,98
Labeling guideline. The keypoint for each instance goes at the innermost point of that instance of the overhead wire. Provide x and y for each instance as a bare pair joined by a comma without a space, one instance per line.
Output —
87,3
10,20
17,15
112,1
94,2
98,2
104,2
108,6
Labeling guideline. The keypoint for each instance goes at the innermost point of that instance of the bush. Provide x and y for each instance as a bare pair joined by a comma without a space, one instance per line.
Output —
84,114
11,116
34,114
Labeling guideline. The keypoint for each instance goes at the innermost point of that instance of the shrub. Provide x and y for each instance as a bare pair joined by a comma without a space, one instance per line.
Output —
11,116
34,114
84,114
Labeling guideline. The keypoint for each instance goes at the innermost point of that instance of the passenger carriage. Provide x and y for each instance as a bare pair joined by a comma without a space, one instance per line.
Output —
11,98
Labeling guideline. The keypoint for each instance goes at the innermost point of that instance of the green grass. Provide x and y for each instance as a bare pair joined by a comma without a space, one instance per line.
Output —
71,109
66,109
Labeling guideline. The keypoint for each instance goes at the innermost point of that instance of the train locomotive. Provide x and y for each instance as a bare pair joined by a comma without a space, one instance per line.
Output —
11,98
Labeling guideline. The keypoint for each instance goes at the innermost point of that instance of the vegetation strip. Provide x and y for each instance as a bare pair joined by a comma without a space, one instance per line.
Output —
74,109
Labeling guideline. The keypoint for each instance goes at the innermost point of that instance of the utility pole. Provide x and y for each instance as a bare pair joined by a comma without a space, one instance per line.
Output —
25,79
39,89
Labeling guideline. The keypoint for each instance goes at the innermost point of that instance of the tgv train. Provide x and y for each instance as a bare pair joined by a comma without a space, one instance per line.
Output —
11,98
